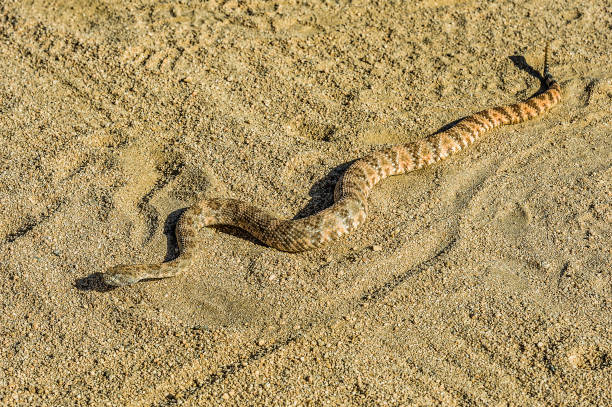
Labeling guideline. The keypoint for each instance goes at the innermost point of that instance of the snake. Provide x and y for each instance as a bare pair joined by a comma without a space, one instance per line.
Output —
350,207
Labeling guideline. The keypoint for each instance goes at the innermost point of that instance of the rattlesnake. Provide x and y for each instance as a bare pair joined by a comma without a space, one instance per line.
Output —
350,207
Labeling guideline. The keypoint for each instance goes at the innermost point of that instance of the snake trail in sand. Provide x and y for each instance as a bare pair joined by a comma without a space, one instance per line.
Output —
351,193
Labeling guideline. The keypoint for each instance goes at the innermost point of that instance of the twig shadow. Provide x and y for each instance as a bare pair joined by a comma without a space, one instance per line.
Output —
521,63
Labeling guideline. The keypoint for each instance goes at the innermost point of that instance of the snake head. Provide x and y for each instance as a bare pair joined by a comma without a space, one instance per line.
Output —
119,276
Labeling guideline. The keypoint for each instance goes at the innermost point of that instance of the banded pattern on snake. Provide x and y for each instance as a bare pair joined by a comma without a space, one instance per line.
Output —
350,208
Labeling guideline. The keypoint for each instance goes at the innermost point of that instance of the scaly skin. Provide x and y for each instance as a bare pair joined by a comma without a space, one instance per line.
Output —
351,207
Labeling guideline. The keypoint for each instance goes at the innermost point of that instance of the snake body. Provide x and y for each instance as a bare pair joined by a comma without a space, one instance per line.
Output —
350,206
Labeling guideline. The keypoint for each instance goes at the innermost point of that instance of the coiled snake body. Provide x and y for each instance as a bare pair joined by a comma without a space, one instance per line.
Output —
350,208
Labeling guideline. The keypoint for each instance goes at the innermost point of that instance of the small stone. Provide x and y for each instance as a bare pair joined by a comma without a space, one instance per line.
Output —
225,396
377,248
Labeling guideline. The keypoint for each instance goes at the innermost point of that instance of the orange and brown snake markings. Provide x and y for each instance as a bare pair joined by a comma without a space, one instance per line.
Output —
350,208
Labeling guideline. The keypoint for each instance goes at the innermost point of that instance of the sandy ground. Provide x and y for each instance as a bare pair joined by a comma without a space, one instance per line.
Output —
483,280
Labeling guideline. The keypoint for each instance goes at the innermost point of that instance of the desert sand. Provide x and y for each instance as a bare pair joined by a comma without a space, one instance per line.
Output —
482,280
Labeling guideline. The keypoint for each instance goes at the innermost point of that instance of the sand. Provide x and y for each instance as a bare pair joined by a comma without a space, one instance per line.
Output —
483,280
